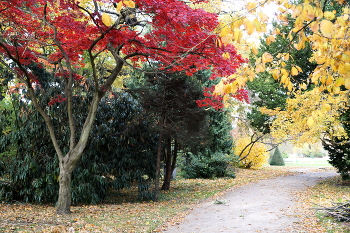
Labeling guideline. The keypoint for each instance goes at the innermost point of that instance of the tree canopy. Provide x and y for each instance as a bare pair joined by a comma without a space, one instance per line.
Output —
104,36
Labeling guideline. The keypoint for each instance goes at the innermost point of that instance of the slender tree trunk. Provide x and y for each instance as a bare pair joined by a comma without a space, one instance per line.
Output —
157,173
65,194
173,163
168,172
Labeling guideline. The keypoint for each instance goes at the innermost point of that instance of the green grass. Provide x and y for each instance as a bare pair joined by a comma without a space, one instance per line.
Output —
308,162
308,165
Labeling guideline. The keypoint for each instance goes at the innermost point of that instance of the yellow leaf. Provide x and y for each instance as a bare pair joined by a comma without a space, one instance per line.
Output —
286,56
321,60
310,122
341,69
341,21
329,80
299,69
284,72
270,39
329,15
255,50
219,88
276,74
234,87
82,1
326,28
228,88
336,90
314,26
119,6
226,55
237,35
346,56
258,25
297,46
249,26
263,17
294,71
267,57
303,86
284,79
339,82
251,5
259,68
328,107
225,31
281,9
106,19
226,98
129,3
236,23
347,83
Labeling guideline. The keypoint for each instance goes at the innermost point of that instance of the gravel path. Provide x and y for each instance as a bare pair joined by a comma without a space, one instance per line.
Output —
265,206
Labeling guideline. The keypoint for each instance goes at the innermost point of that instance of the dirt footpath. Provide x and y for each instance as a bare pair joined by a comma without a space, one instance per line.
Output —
265,206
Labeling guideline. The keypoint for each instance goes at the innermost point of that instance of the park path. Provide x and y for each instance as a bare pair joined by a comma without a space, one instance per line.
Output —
266,206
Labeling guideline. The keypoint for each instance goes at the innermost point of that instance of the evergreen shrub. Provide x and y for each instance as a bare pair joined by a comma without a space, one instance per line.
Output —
207,168
119,154
339,156
276,159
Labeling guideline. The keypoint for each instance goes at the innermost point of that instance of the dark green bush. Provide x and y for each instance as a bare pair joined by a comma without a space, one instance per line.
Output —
276,159
119,153
203,167
338,148
339,155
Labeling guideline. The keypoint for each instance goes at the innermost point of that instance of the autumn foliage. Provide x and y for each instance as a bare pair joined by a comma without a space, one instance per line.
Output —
251,155
81,41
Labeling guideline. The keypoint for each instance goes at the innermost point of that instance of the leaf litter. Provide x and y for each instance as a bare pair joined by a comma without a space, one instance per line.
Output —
123,214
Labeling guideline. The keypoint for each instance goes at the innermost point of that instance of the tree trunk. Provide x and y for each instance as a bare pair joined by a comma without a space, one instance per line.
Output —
173,163
168,170
64,195
157,173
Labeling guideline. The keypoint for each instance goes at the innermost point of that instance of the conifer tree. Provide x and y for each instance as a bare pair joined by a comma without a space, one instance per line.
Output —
276,159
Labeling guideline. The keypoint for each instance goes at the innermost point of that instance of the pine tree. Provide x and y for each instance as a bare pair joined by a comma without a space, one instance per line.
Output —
276,159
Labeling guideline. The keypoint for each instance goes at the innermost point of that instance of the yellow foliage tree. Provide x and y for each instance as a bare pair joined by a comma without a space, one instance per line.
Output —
326,30
325,25
252,154
307,117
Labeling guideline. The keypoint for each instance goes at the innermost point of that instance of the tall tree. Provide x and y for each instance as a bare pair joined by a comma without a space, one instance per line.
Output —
170,102
267,91
68,35
317,88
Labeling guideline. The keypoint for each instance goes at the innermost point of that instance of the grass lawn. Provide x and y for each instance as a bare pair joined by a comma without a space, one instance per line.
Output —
307,162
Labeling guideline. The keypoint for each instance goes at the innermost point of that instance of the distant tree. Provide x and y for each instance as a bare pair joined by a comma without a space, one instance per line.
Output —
276,159
250,152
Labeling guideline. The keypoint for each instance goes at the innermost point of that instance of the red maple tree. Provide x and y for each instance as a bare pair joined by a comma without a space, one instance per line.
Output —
66,35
